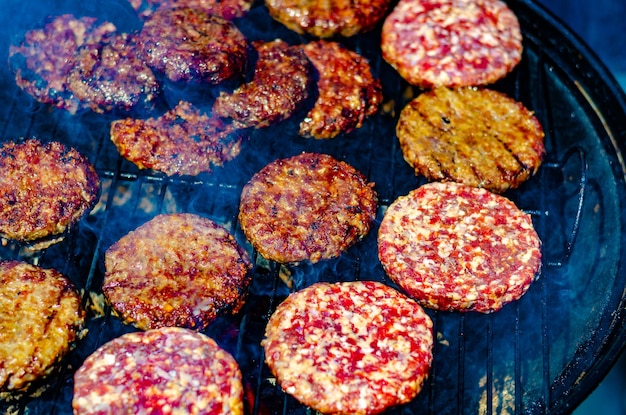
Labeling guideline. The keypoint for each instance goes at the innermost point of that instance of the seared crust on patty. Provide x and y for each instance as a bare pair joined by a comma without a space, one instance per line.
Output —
306,207
325,19
169,370
188,44
45,189
279,86
474,136
183,141
349,348
456,247
228,9
451,42
176,270
109,75
347,91
40,319
43,60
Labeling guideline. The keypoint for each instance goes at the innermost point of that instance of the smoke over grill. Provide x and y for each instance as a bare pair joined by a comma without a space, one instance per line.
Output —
541,354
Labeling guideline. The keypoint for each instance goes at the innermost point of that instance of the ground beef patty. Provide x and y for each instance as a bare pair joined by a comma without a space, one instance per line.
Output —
183,141
170,370
325,19
45,188
108,75
456,247
40,321
45,56
347,91
474,136
451,42
187,44
176,270
228,9
349,348
279,86
307,207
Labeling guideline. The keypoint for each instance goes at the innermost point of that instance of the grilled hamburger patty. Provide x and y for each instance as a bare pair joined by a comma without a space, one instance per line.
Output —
451,42
474,136
45,188
349,348
40,319
456,247
169,370
188,44
347,91
109,75
279,86
228,9
176,270
306,207
326,19
182,141
44,58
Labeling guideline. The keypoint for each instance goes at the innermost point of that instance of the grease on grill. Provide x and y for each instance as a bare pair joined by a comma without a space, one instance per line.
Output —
228,9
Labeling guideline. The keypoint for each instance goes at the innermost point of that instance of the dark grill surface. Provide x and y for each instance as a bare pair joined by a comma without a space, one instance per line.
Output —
542,354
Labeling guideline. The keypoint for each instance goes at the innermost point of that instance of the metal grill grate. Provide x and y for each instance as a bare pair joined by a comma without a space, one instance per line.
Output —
531,357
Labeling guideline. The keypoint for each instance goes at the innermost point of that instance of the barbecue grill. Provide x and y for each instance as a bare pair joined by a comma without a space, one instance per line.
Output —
542,354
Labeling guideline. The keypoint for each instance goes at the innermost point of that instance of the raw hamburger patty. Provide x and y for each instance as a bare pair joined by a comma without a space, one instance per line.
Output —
349,348
40,319
44,58
228,9
182,141
188,44
279,86
451,42
325,19
307,207
109,75
348,92
474,136
45,188
456,247
169,370
176,270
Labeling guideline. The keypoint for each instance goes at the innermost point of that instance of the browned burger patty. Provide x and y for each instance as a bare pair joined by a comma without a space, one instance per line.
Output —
348,92
109,75
176,270
188,44
451,42
45,56
40,320
228,9
279,86
170,371
349,348
45,188
325,19
474,136
307,207
183,141
456,247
